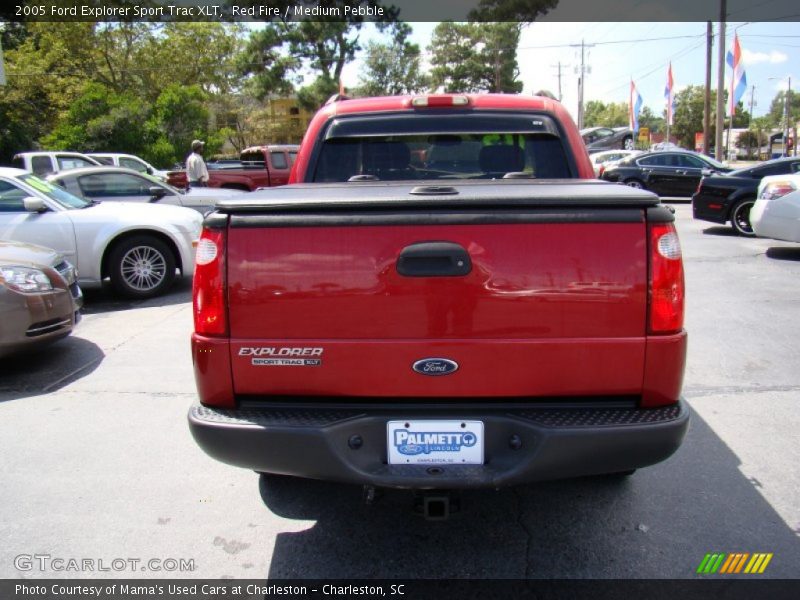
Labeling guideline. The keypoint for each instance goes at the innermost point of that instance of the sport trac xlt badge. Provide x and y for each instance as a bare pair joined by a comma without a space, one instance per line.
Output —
266,356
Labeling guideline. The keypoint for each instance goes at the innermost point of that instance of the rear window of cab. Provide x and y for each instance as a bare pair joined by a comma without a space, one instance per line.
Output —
432,146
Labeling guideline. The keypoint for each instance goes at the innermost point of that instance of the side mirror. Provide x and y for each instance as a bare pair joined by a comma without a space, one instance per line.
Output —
34,204
706,172
157,193
149,170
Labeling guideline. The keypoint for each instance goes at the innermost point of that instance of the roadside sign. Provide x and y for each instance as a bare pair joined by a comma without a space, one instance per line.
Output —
699,141
644,134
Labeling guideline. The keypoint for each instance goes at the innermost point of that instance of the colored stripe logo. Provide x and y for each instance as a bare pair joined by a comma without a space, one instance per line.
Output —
737,562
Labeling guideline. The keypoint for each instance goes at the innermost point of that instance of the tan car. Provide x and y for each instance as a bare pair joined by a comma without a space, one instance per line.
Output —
39,297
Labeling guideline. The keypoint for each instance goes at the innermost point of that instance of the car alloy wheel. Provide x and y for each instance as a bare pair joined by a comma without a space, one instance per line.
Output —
628,144
142,267
740,218
635,183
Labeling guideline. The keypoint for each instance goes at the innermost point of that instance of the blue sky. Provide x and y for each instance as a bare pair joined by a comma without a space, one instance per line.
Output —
771,50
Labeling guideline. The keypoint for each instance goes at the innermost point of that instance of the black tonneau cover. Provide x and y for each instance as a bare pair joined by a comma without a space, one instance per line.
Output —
439,194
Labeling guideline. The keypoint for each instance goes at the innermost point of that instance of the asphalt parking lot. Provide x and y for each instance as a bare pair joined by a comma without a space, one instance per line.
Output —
98,462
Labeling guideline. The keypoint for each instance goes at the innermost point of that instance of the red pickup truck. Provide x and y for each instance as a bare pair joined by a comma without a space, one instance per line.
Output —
261,166
443,300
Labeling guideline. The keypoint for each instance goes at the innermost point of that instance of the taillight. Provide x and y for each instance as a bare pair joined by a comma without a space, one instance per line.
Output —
776,189
208,286
666,280
601,171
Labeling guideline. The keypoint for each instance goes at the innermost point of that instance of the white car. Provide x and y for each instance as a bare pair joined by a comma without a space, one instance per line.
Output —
116,184
776,213
44,163
137,246
602,159
129,161
664,146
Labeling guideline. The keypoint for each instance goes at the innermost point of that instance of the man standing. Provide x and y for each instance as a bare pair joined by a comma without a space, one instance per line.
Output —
196,171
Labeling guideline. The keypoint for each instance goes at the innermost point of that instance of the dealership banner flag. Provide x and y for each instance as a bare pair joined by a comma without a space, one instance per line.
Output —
738,76
634,107
670,97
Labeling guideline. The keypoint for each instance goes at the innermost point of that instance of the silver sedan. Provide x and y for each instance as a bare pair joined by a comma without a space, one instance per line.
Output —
137,246
121,184
39,297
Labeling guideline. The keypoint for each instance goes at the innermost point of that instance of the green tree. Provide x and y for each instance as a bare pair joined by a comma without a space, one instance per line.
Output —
263,62
599,114
15,132
45,74
314,95
324,46
499,50
102,120
523,11
198,53
179,116
593,113
647,118
12,35
689,115
688,118
475,57
393,68
455,63
748,138
777,110
117,86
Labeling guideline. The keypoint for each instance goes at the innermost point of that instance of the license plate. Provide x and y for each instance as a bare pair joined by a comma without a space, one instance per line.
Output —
435,442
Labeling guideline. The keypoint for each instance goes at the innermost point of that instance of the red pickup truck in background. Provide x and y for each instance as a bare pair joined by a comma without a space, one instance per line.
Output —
261,166
442,301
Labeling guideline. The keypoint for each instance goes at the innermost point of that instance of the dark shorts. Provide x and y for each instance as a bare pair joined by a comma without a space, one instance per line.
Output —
198,184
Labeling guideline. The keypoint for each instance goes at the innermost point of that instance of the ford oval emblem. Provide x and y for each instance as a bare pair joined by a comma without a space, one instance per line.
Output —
435,366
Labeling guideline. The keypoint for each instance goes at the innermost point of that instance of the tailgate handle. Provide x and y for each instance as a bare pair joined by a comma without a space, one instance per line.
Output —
434,259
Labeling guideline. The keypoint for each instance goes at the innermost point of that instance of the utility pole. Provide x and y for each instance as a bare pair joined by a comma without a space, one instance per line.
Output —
707,100
787,107
750,126
584,68
720,80
558,66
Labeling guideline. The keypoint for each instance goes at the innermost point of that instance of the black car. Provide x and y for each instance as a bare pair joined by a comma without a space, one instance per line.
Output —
730,197
671,173
606,138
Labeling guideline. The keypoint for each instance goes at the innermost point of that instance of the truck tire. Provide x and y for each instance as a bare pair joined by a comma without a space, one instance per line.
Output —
141,266
740,217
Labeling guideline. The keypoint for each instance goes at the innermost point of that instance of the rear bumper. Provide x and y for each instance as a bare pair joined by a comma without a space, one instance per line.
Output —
710,208
556,442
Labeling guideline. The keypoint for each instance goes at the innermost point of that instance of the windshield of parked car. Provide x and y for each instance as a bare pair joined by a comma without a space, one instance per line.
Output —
55,193
712,162
158,183
441,146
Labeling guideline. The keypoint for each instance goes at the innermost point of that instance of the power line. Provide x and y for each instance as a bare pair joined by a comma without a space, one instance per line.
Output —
754,35
641,40
640,75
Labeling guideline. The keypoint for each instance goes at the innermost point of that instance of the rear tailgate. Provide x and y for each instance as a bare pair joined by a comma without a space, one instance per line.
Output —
528,289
